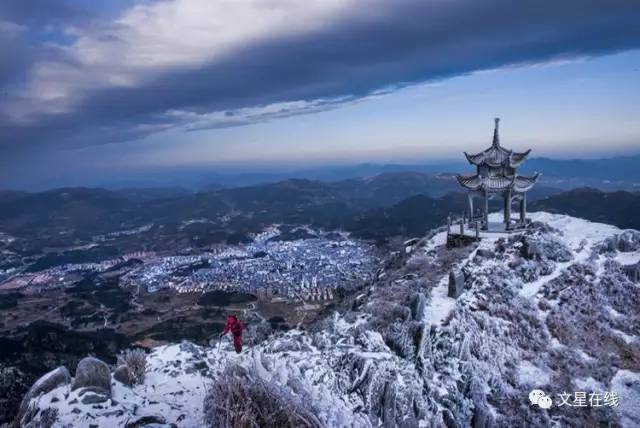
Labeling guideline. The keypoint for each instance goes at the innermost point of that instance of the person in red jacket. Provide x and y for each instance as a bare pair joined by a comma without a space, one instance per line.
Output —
235,326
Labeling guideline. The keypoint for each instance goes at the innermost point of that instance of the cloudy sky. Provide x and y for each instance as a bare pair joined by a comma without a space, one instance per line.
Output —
96,88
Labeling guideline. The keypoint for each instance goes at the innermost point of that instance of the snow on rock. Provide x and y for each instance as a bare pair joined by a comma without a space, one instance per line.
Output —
627,385
575,230
529,374
588,384
91,372
546,307
628,258
53,379
174,388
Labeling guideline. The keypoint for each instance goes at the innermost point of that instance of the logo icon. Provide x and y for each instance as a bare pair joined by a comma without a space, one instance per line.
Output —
540,399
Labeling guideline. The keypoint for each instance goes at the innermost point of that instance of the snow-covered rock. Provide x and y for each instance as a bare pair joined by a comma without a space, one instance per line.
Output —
55,378
123,375
627,385
92,373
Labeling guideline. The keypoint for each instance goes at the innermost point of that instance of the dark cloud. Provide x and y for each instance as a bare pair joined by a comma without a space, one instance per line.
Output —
387,44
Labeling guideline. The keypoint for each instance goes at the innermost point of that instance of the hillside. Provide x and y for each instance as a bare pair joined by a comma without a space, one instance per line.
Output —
553,308
75,216
618,208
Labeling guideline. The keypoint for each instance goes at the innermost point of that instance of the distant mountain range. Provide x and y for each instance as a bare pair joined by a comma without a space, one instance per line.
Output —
378,207
616,173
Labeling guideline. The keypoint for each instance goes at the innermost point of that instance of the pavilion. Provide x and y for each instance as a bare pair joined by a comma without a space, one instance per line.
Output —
496,176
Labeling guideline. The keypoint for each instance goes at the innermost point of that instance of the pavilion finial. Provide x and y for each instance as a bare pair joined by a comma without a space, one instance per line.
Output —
496,133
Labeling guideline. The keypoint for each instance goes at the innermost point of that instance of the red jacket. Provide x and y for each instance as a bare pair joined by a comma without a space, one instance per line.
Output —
234,325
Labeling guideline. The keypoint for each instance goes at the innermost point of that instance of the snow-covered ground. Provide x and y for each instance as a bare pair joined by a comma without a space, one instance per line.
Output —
402,353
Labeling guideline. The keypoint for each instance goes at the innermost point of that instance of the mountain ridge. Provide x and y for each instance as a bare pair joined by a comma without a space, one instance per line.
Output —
401,352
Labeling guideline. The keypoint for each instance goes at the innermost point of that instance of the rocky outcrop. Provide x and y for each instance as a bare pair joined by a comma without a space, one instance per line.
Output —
629,241
92,372
48,382
625,242
384,358
539,248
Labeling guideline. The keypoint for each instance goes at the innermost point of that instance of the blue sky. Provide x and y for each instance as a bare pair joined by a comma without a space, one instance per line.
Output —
111,87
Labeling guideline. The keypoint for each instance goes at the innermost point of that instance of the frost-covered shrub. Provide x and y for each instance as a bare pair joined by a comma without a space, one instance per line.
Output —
256,333
543,247
627,241
289,342
525,327
13,384
586,300
391,393
540,227
136,360
238,399
527,270
388,311
623,295
579,278
417,261
402,338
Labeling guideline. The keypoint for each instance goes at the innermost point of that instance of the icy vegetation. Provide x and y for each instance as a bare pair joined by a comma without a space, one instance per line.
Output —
554,308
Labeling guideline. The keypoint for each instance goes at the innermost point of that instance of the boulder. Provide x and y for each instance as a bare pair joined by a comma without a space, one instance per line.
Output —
418,303
456,284
192,348
46,383
123,375
536,248
92,372
94,398
146,420
485,254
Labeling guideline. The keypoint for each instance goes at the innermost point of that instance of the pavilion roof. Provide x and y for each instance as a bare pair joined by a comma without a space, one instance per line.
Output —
496,155
517,183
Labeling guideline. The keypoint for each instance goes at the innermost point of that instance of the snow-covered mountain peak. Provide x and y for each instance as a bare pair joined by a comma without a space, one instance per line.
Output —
553,307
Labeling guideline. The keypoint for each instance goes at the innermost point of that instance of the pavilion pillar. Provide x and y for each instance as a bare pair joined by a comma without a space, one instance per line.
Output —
523,208
485,210
470,196
507,209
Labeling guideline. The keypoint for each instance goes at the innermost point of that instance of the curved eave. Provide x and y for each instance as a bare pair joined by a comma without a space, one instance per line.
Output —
518,158
489,184
494,156
498,184
476,159
524,183
470,182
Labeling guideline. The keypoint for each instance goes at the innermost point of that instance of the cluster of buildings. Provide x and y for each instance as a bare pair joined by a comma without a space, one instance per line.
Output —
312,294
306,269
